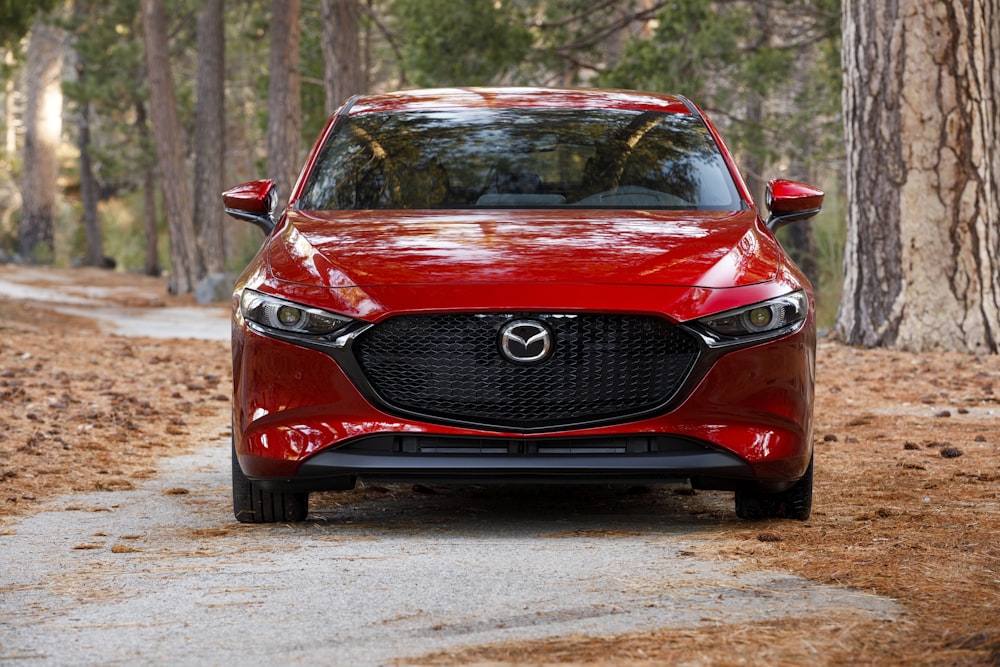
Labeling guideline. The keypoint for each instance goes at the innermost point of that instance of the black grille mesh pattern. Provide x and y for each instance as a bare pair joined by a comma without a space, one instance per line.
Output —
450,366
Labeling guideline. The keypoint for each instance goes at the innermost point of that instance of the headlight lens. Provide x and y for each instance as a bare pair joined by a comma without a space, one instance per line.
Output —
275,313
771,315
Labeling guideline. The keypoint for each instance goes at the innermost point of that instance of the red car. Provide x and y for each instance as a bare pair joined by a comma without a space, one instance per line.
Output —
521,285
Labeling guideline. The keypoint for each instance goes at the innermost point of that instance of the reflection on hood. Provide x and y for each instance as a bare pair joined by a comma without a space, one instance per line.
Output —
363,248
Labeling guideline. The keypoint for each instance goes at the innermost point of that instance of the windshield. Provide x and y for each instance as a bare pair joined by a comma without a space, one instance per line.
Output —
520,158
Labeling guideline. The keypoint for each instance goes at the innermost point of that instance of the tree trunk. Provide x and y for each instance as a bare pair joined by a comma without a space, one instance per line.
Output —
341,44
367,65
184,260
88,190
753,162
210,124
10,108
152,264
88,184
43,128
921,114
284,103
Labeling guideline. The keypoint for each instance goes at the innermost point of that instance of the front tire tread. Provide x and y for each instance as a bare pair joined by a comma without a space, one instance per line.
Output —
251,504
793,503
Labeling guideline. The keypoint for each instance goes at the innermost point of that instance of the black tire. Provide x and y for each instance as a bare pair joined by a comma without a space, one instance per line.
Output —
252,504
793,503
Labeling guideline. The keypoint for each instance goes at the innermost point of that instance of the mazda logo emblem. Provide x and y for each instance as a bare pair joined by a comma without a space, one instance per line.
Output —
525,341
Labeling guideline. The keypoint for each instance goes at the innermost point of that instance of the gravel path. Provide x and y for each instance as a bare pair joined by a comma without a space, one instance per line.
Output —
162,575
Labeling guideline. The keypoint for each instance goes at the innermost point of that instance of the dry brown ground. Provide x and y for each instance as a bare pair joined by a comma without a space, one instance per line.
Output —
907,488
81,410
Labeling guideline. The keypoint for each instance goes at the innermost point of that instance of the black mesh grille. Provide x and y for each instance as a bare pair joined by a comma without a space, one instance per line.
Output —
450,366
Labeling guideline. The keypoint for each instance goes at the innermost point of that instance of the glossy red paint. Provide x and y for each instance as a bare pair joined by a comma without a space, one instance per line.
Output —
443,261
347,248
751,401
292,402
478,98
677,304
792,197
252,197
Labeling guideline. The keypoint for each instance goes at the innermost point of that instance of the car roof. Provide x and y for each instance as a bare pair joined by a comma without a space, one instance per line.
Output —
527,98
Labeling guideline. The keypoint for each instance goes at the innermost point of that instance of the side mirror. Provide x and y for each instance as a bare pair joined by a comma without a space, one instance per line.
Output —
789,202
254,202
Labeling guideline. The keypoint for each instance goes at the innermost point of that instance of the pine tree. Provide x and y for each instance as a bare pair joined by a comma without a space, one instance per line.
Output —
922,118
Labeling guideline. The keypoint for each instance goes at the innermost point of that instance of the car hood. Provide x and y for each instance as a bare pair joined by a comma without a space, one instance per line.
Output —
663,248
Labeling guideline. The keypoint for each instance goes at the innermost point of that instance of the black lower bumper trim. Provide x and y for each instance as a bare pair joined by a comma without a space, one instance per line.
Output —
634,459
706,470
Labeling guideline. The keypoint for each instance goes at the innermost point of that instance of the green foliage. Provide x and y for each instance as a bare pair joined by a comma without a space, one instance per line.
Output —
720,55
110,79
693,46
460,42
314,111
570,38
769,75
245,243
247,42
16,17
830,228
723,54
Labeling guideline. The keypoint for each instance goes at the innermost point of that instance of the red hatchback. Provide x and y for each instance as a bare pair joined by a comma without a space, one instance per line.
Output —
521,285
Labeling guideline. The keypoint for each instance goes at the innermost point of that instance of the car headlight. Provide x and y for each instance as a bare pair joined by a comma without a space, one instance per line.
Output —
759,318
275,313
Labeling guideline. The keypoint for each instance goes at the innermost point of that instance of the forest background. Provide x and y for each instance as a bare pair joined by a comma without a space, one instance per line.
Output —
768,73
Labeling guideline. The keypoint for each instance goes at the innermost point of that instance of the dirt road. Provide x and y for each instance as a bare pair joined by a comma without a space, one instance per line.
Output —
161,574
120,547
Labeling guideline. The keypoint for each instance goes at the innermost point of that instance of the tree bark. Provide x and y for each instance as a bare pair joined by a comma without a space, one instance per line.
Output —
88,190
152,264
753,161
341,45
921,114
43,129
210,124
284,103
184,259
9,125
88,184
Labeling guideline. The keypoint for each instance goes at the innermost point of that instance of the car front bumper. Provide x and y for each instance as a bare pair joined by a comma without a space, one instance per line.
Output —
301,423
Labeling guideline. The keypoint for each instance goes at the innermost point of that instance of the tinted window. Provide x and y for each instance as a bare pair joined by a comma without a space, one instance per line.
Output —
520,158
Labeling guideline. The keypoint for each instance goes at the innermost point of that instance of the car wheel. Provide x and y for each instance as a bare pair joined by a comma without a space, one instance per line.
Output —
252,504
793,503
